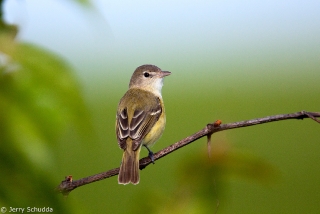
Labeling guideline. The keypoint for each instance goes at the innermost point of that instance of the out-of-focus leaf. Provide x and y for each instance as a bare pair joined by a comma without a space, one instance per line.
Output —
84,3
39,100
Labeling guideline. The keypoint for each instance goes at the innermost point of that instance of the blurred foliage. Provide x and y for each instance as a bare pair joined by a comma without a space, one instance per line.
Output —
83,2
202,180
39,100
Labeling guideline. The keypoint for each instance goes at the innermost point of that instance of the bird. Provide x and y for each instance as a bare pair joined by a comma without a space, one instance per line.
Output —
140,119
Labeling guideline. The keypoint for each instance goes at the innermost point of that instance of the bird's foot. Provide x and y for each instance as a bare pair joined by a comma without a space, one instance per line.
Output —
151,156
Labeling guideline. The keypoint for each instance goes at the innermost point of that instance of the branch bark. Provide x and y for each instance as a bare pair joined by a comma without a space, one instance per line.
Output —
67,185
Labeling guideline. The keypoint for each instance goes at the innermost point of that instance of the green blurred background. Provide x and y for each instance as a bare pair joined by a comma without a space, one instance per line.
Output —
64,65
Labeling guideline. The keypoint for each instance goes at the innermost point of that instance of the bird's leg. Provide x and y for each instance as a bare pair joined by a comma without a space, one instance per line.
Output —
151,156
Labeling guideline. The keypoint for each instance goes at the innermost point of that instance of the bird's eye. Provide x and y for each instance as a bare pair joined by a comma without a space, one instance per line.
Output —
146,74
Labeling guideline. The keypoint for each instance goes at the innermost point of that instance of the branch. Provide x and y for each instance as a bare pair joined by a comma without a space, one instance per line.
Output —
68,184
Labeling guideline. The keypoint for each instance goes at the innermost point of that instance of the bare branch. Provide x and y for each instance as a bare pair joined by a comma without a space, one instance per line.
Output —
68,184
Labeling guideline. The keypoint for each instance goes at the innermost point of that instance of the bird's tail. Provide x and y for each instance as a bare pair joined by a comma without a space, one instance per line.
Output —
129,169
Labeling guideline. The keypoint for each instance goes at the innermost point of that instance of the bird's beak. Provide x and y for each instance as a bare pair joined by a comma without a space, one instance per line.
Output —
164,73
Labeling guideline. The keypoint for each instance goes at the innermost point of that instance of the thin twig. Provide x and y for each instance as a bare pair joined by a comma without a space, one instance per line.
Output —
67,185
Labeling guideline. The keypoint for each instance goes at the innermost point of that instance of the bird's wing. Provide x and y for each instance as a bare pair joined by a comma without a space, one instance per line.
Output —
136,115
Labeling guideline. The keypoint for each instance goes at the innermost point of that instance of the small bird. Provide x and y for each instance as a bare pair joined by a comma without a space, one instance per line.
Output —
140,119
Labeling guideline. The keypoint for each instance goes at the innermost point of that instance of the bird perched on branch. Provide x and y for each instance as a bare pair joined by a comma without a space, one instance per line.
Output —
140,119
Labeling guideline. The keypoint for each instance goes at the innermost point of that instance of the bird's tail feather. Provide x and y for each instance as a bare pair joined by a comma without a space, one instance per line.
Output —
129,169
